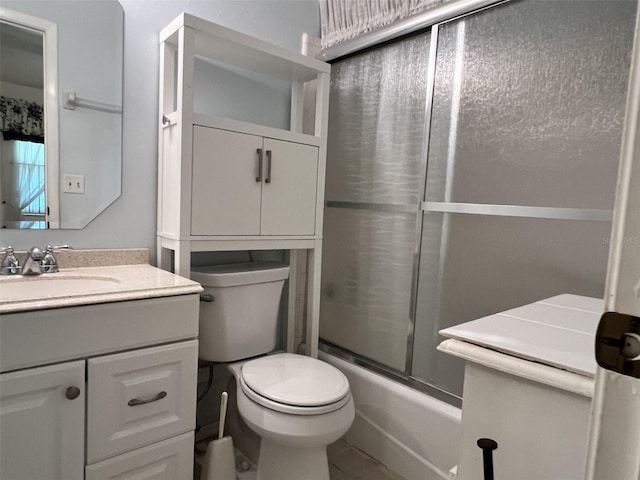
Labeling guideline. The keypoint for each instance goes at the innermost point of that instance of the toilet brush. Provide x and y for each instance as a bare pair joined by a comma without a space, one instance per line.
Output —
219,461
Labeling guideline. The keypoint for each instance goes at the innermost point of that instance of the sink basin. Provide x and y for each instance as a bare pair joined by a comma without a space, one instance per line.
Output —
18,289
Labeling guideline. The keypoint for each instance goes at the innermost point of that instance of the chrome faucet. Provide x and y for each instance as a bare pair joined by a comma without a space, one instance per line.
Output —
33,264
36,263
49,262
10,265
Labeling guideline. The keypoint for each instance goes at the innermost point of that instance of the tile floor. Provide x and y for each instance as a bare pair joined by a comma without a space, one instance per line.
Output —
349,463
345,463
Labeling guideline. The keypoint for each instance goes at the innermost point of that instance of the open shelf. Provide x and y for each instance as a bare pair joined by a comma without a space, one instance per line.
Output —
245,52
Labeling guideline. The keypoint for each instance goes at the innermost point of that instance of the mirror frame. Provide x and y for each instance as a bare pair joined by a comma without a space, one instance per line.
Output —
49,30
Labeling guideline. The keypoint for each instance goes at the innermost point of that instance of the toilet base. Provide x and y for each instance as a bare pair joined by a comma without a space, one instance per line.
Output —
277,462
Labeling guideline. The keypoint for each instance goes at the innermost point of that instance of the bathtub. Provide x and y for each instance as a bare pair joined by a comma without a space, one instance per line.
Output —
413,434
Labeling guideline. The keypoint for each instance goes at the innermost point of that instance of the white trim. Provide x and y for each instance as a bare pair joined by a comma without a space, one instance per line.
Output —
51,131
614,434
530,370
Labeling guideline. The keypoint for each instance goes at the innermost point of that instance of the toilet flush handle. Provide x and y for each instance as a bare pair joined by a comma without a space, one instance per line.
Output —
207,297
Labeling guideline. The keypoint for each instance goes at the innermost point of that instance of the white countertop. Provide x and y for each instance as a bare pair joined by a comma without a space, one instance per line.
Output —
121,282
557,331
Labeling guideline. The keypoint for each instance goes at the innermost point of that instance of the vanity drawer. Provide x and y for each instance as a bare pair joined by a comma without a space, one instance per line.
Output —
140,397
167,460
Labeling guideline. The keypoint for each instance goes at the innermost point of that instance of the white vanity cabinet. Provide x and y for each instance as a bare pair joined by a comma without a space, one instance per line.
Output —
268,186
134,399
233,179
42,413
100,386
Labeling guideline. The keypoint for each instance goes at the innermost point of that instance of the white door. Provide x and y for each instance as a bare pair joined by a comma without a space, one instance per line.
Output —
289,189
614,440
42,423
226,184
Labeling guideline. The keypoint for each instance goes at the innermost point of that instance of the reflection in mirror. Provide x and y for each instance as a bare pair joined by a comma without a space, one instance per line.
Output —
61,62
23,146
22,110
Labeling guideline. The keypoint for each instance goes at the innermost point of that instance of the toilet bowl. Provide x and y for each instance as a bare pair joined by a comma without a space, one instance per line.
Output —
296,404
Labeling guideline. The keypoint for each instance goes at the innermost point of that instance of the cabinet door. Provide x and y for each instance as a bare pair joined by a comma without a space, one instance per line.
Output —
289,196
225,191
167,460
42,423
140,397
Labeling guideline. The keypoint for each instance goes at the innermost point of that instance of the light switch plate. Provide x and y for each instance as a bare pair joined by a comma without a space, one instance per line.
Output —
73,183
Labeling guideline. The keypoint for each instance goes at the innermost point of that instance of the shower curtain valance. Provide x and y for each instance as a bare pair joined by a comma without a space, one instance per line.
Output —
21,120
345,19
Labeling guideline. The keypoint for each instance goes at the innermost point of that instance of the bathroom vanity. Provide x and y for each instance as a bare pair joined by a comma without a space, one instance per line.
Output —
528,385
99,373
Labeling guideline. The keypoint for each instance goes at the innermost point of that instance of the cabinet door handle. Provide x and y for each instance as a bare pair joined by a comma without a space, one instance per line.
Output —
72,393
207,297
259,177
137,401
268,178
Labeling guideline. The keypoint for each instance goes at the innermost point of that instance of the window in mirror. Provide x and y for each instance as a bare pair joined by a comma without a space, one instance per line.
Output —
23,189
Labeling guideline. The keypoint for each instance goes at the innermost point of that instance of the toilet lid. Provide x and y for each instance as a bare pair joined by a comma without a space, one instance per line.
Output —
295,380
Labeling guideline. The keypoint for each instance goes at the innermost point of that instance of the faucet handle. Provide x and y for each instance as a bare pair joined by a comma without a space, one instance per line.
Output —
49,262
50,248
10,265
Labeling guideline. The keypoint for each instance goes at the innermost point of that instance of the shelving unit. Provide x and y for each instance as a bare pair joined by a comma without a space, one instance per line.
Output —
229,185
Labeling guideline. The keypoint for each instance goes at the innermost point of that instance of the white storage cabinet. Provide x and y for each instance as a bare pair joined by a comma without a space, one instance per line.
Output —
230,185
266,186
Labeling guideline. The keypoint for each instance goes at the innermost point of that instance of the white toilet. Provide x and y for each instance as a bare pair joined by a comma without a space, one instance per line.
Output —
296,404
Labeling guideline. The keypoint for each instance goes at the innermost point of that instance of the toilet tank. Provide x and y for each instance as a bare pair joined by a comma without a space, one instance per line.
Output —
239,311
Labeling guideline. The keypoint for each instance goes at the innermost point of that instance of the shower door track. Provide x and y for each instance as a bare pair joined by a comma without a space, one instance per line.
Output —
383,370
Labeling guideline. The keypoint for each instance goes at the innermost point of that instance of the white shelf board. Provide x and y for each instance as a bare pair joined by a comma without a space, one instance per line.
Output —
254,129
207,244
245,52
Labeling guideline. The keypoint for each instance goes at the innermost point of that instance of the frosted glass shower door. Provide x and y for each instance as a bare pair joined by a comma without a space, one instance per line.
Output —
526,124
376,162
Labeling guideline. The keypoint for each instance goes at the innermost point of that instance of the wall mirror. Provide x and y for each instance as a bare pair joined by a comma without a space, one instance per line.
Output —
60,111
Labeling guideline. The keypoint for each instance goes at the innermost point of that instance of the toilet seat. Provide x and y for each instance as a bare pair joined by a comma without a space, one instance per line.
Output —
295,384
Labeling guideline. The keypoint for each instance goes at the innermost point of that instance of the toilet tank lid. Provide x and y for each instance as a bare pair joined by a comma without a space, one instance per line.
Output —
240,274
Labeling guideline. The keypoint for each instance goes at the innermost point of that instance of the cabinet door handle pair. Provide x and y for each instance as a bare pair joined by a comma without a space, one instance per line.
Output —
268,177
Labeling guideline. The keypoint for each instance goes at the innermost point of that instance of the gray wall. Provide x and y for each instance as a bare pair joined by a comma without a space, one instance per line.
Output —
131,220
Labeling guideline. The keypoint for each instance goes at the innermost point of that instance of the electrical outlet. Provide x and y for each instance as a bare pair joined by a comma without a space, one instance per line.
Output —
73,183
